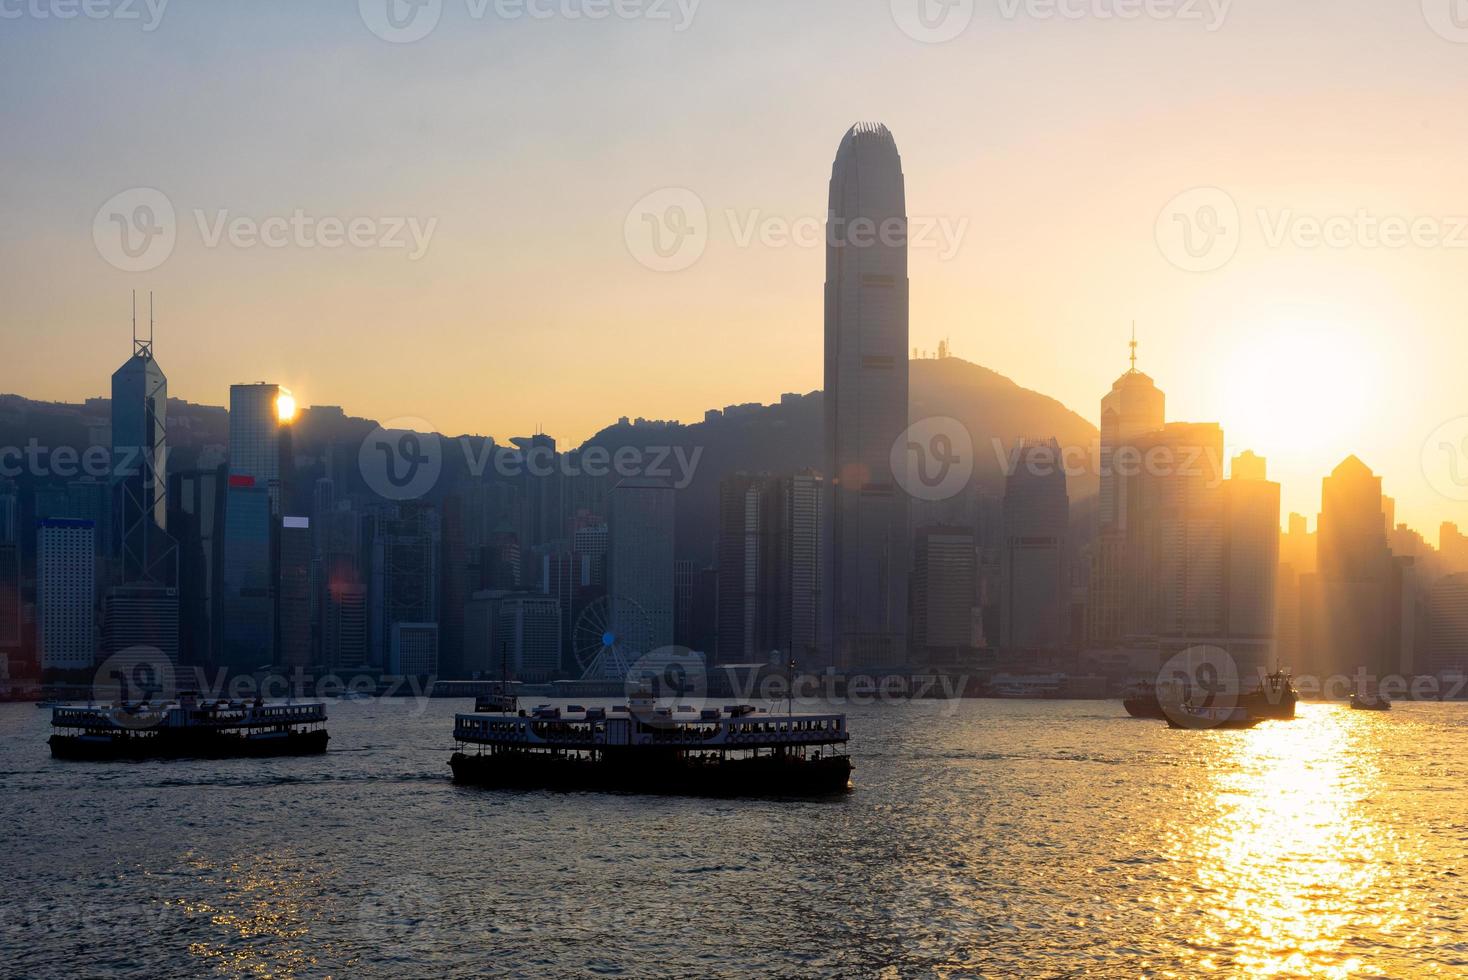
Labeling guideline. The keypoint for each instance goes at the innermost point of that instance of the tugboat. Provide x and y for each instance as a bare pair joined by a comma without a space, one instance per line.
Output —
1144,699
638,747
188,729
1370,702
1274,699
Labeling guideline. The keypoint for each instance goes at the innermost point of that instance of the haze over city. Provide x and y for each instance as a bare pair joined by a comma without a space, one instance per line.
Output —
1304,354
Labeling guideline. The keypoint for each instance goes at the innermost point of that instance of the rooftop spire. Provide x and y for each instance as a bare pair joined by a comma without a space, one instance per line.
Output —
142,348
1133,346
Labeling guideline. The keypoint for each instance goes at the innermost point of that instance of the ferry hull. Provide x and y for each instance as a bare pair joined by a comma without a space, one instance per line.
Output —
763,776
1144,707
184,745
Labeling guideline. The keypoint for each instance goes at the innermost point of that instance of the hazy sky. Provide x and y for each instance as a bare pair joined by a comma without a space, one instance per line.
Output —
517,146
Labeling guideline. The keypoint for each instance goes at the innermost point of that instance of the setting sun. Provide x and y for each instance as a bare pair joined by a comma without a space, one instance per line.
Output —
285,406
1295,383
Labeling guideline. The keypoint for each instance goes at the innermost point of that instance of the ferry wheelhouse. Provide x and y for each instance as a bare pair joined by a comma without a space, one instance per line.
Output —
737,750
188,728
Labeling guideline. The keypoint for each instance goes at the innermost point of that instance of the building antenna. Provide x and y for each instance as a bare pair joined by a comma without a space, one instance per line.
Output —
1134,346
142,348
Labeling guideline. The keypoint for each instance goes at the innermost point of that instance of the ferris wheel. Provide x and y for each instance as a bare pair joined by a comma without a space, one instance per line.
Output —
607,635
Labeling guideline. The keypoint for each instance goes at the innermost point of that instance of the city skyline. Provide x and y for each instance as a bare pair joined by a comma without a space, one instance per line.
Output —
1229,340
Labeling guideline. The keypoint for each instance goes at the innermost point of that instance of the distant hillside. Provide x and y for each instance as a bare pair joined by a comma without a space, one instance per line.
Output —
787,436
779,438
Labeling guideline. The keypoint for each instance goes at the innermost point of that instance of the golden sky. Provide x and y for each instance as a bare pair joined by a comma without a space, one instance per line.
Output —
1060,146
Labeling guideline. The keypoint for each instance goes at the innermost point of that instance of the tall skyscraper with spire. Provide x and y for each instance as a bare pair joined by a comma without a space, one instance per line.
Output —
867,543
140,464
1133,408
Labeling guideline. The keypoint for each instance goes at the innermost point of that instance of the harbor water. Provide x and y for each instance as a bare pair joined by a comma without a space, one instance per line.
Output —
981,838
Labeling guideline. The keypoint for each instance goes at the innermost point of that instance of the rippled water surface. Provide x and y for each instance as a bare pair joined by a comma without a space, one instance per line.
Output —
982,838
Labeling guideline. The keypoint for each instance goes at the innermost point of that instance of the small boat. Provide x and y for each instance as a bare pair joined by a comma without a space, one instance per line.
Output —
354,696
1190,716
1370,702
48,704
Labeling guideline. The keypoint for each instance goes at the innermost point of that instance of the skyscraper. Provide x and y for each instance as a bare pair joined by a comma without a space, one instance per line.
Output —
1448,631
1133,408
252,504
1251,565
255,415
139,489
66,594
944,590
143,615
868,548
1034,576
247,578
640,565
1351,606
1176,535
196,500
295,591
405,542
